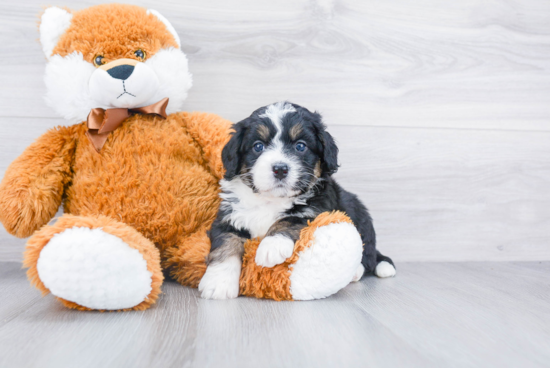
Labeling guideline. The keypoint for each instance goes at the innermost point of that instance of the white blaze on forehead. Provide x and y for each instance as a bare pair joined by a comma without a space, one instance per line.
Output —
276,112
262,171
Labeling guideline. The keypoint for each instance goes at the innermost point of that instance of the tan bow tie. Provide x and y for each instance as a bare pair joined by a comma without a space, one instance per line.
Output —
102,122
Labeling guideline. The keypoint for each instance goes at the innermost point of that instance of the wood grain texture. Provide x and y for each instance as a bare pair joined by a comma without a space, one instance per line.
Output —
430,315
440,108
451,195
434,194
431,63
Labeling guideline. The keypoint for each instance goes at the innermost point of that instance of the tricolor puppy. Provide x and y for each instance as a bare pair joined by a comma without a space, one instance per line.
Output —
278,164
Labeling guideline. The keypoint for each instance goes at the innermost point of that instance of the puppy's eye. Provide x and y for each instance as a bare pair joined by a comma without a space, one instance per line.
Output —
98,60
140,54
258,146
301,146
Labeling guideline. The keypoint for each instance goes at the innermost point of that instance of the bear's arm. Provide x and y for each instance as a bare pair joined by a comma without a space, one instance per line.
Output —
32,188
211,132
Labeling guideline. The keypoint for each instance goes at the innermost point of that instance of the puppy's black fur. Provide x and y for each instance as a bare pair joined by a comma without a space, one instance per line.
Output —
316,187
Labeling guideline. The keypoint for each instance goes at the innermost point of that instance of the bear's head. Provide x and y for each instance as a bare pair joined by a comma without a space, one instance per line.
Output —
111,56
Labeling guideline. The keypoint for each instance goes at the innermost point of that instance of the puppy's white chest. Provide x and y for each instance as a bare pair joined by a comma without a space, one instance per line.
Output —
249,210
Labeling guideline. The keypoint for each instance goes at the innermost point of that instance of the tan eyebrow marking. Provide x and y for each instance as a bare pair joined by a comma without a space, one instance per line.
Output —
263,131
295,131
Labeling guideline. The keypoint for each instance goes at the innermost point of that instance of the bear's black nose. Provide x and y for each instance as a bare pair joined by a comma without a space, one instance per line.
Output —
280,171
121,71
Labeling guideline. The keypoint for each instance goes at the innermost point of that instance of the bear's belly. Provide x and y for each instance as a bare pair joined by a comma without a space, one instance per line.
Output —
155,182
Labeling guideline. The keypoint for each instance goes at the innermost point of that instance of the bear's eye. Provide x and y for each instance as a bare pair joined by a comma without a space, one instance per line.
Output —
140,54
258,147
301,146
98,60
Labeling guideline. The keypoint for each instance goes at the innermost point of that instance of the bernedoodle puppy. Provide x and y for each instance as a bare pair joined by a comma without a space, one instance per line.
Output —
279,165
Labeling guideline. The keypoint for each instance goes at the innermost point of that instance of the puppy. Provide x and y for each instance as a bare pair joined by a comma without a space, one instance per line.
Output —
278,164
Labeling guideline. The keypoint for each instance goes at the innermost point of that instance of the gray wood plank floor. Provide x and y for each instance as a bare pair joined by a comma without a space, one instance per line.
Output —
441,113
431,315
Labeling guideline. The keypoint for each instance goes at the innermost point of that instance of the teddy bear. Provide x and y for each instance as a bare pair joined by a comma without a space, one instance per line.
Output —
137,177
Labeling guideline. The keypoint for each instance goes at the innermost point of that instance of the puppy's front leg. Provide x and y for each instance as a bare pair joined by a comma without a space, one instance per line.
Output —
278,243
221,280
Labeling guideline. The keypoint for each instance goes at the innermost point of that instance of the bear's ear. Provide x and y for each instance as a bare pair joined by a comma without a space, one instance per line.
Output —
166,23
53,23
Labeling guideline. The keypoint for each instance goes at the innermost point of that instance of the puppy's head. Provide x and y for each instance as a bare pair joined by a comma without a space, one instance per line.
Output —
281,150
111,56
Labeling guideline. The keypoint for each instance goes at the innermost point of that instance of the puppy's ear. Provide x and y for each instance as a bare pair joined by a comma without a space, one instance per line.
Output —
330,154
231,153
329,150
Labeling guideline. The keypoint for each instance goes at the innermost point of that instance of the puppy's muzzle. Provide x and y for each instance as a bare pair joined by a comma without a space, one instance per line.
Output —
280,170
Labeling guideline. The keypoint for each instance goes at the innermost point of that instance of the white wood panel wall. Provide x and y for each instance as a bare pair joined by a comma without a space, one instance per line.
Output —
441,108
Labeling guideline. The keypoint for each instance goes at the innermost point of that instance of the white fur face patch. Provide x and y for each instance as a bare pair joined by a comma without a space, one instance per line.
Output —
276,112
136,90
274,154
172,70
262,172
67,89
75,86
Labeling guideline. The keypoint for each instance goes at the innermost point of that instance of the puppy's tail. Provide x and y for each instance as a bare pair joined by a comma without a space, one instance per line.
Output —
384,266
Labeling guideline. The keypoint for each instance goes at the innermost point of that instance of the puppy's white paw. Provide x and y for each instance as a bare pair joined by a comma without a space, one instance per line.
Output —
274,250
384,269
358,274
221,280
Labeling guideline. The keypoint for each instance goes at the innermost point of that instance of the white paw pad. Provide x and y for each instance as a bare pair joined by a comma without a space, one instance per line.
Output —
274,250
384,269
221,280
358,274
94,269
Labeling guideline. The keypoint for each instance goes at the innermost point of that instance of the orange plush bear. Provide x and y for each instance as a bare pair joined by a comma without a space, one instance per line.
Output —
137,178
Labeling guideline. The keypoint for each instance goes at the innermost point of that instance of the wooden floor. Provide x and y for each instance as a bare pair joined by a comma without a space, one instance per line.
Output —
430,315
441,112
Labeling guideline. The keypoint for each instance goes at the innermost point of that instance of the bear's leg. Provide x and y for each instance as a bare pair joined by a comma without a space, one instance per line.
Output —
326,258
94,263
186,261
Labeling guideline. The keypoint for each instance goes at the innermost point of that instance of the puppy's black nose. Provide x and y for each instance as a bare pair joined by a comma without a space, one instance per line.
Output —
121,71
280,171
